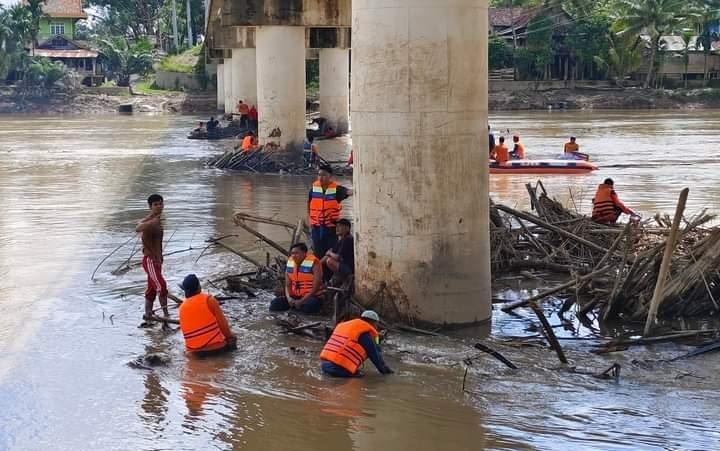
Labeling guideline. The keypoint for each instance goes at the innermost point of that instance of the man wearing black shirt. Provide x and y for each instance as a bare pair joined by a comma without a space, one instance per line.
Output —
340,261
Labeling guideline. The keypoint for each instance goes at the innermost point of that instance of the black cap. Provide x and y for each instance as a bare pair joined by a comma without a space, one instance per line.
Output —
190,285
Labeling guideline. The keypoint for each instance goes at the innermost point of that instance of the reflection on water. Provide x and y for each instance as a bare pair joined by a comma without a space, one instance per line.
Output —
72,190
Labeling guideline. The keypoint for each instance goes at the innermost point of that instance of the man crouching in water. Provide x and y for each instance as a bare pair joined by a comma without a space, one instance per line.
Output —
351,343
203,324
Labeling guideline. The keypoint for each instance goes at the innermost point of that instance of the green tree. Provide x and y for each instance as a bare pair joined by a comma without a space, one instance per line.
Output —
15,31
539,55
123,60
707,12
622,58
588,38
35,9
687,36
500,54
655,18
42,74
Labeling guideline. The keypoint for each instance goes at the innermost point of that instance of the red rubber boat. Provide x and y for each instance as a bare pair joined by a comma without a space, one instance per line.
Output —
542,167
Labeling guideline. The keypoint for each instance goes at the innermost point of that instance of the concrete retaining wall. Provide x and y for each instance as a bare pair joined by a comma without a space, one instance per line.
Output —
107,90
175,80
510,85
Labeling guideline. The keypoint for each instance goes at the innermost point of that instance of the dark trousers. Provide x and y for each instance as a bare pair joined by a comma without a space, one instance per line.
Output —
324,239
333,370
230,345
310,307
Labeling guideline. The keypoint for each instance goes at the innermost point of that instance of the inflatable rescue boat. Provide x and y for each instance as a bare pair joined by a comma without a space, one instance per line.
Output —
542,167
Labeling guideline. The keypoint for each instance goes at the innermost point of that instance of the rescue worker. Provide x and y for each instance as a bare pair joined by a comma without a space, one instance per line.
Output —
518,152
244,111
571,147
304,289
352,342
247,142
324,205
500,153
203,324
607,207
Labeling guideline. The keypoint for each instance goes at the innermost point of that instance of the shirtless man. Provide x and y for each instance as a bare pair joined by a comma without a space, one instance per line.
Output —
151,231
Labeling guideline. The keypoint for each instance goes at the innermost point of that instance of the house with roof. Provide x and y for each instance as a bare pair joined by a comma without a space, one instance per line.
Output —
673,63
56,40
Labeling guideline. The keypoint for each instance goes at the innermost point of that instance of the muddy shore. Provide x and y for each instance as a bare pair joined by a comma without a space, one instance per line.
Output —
604,99
80,103
571,99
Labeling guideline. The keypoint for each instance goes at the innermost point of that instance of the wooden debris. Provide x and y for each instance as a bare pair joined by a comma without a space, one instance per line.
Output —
496,354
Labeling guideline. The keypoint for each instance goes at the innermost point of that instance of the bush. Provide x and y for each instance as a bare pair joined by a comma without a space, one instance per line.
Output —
500,54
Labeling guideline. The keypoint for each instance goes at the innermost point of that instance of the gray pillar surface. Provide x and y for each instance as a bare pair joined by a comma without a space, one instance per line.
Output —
221,87
280,54
227,85
335,87
244,77
419,114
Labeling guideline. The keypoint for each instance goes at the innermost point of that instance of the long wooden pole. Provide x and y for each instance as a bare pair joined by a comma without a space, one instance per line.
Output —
665,265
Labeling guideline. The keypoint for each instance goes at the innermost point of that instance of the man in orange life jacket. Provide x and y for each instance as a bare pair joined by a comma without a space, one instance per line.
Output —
304,288
352,342
607,207
324,205
500,153
204,327
518,152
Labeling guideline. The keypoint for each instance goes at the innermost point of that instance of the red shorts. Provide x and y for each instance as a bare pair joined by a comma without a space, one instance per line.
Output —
155,282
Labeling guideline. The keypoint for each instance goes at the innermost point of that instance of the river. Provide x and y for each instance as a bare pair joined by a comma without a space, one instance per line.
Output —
72,189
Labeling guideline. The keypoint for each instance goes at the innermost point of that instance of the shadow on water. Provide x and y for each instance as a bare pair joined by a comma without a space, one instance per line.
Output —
72,190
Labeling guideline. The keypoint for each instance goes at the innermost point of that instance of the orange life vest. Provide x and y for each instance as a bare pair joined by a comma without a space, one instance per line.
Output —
571,147
343,348
324,207
501,153
519,150
247,143
301,276
604,208
198,324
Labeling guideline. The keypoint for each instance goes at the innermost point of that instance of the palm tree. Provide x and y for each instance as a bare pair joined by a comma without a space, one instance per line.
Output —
687,36
654,18
123,60
708,11
35,8
623,58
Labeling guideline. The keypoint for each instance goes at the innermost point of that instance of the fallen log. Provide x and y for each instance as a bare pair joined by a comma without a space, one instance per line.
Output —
513,305
495,354
549,333
264,238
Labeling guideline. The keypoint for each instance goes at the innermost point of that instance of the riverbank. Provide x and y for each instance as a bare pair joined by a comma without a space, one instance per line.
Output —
93,103
604,99
180,102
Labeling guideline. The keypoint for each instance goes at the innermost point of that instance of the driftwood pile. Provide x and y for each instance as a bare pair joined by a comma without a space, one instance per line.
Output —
614,270
262,161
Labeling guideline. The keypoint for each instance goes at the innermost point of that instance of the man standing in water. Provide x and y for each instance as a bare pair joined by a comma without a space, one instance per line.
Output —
324,205
151,231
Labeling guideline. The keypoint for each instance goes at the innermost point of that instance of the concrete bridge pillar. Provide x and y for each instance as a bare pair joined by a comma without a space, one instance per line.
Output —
227,85
244,79
281,89
221,87
419,112
335,87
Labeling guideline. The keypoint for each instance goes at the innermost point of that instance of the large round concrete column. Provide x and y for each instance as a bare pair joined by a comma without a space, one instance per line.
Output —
419,112
227,85
244,79
280,54
221,87
335,87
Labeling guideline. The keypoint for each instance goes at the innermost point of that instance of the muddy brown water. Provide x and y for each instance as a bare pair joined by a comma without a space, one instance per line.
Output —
72,189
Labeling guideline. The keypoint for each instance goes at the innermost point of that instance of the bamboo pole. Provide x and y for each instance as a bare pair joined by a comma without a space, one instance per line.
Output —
512,306
272,243
665,265
558,230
